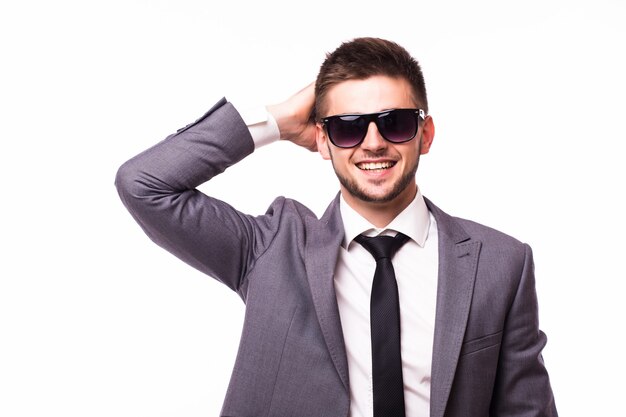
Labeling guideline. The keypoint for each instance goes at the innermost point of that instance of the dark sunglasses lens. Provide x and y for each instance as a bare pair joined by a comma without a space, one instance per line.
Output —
398,125
347,131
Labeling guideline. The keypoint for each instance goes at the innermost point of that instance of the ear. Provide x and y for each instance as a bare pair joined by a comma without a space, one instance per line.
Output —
428,134
322,141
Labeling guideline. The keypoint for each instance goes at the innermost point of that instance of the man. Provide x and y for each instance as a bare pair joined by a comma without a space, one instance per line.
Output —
448,327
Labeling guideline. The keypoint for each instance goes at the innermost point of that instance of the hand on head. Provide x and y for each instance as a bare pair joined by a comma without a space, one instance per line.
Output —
294,118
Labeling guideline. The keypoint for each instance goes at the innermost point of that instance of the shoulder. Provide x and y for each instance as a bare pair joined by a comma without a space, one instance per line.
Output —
487,234
290,210
288,218
493,242
289,215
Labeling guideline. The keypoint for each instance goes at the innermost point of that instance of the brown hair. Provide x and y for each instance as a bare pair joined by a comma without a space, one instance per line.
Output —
362,58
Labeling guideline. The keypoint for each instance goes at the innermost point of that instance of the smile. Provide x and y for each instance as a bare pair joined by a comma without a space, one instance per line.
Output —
375,166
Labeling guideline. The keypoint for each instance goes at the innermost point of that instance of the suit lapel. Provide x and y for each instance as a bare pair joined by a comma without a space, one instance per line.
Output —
323,239
458,259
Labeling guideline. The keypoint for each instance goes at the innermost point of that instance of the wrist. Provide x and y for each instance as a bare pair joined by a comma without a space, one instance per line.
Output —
284,116
261,124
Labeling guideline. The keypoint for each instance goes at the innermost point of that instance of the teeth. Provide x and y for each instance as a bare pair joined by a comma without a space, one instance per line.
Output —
371,166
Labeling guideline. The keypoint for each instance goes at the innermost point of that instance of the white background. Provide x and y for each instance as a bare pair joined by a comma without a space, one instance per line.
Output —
95,320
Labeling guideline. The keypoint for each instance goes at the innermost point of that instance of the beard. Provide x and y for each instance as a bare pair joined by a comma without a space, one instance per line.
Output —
362,194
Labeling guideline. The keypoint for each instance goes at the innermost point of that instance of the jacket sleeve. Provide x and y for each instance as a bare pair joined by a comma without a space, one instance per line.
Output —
522,385
158,187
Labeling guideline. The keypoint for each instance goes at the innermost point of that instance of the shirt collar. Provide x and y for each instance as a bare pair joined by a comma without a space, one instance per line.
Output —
413,221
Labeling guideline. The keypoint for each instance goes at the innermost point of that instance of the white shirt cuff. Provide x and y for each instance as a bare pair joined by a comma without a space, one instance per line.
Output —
261,124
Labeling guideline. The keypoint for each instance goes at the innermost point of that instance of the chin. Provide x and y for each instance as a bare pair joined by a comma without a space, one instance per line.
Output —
379,194
370,196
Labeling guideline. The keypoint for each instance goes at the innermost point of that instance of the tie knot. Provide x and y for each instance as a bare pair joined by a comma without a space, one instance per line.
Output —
382,246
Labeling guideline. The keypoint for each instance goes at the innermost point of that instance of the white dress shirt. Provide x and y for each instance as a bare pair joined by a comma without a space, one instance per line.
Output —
415,265
416,268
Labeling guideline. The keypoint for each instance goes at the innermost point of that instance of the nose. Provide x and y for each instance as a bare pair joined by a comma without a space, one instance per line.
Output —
373,141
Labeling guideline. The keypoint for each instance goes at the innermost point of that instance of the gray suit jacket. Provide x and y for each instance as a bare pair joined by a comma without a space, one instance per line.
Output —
292,360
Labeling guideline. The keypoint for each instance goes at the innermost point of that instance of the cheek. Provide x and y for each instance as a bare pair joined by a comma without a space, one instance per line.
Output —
339,157
412,152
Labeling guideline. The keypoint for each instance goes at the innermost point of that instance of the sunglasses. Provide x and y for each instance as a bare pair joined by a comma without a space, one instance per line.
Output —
395,126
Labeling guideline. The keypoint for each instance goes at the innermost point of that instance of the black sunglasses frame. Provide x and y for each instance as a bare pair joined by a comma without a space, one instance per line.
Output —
372,117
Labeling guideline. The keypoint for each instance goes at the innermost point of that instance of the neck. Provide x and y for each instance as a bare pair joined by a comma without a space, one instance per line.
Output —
380,213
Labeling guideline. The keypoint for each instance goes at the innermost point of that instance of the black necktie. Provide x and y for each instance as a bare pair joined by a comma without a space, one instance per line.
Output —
385,325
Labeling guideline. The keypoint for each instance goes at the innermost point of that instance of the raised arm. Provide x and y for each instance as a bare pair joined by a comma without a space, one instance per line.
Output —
158,187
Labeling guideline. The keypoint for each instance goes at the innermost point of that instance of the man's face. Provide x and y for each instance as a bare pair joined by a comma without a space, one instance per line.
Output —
375,172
